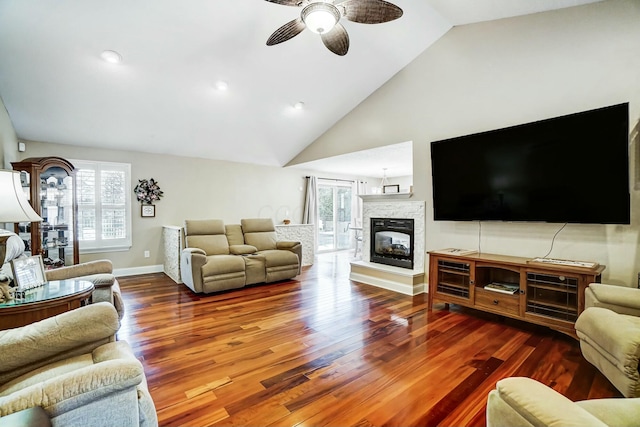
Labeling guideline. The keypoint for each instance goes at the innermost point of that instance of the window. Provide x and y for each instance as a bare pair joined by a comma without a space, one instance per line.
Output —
104,205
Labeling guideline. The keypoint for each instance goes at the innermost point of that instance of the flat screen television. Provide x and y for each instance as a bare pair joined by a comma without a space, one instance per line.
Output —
569,169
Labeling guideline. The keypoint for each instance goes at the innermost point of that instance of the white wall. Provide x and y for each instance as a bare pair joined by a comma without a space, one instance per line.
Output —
495,74
8,139
193,189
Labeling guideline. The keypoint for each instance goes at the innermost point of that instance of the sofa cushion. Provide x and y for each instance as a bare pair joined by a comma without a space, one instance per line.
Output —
253,225
47,372
277,258
234,234
618,335
194,227
207,235
222,264
262,241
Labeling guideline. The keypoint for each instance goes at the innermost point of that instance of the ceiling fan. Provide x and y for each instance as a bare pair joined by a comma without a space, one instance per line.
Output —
322,17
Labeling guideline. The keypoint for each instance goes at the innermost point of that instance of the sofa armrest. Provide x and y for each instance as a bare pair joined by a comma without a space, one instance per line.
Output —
117,370
620,299
536,403
79,270
242,249
191,262
283,244
71,333
107,289
192,251
295,247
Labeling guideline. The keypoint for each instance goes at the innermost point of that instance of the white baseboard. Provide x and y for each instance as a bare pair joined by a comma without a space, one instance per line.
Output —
147,269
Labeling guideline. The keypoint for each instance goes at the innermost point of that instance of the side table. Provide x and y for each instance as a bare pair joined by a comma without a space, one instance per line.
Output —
50,299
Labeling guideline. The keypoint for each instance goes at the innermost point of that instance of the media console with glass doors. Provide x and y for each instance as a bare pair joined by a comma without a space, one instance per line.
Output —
545,294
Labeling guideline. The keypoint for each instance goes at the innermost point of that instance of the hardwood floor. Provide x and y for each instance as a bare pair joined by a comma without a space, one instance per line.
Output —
321,350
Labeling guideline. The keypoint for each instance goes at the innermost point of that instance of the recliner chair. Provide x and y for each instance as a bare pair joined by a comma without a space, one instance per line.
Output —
609,333
72,367
282,258
207,264
520,402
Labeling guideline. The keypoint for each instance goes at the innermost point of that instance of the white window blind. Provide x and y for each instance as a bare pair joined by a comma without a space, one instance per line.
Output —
104,205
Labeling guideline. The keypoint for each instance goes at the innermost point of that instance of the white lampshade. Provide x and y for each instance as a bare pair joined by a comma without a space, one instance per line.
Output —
14,206
320,17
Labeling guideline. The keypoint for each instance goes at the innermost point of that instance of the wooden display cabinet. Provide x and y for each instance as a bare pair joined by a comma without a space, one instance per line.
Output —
547,294
50,184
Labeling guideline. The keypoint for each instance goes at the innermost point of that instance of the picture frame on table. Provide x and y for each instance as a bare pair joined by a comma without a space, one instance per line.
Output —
28,272
148,211
391,189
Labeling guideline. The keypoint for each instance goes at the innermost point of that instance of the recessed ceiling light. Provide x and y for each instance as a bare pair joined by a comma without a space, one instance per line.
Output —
298,105
222,85
111,56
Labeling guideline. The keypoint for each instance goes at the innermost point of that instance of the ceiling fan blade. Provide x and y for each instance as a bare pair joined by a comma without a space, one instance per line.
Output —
286,32
370,11
336,40
287,2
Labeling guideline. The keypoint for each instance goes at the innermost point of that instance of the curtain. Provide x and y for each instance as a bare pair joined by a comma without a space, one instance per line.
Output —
358,188
310,213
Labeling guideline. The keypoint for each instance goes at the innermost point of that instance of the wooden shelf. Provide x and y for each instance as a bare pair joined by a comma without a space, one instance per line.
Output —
551,295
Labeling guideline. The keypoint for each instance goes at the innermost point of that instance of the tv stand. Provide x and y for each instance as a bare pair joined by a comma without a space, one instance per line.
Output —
546,294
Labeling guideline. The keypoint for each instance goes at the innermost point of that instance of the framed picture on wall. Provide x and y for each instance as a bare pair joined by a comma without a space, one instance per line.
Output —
390,189
148,211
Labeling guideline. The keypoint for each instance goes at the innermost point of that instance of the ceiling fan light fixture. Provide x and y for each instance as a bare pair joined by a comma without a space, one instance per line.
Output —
320,17
111,56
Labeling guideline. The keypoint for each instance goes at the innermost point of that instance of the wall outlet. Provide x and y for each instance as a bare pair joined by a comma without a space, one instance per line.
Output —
146,254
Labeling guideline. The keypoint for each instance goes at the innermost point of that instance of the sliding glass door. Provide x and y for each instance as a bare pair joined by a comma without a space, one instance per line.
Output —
334,215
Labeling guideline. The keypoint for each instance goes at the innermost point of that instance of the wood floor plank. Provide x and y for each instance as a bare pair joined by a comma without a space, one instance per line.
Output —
322,350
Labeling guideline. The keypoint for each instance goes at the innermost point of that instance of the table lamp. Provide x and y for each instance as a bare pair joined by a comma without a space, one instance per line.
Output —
14,206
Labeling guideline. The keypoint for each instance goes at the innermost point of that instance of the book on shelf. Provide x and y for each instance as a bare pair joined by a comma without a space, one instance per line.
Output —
505,288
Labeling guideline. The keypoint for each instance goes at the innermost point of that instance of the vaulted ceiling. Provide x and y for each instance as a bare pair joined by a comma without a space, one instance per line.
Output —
163,96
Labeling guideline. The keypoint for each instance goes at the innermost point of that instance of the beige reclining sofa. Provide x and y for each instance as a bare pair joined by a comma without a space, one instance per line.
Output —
218,257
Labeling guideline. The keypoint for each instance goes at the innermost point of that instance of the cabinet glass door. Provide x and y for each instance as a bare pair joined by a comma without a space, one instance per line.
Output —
56,203
552,296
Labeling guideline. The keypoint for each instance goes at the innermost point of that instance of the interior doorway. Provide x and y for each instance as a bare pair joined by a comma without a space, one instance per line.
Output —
334,215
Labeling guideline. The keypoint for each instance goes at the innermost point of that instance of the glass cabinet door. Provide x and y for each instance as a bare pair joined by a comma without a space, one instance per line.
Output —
56,205
49,183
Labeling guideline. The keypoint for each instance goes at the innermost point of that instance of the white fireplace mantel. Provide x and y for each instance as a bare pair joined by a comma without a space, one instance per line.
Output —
406,281
387,196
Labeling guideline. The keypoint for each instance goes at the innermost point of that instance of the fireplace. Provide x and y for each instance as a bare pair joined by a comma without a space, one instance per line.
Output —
391,241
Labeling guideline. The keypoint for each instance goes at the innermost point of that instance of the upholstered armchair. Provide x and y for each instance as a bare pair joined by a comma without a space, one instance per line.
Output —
100,273
206,263
282,257
609,333
72,367
106,287
519,402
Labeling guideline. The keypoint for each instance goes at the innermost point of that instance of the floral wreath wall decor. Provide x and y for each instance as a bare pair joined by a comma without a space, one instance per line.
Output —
147,192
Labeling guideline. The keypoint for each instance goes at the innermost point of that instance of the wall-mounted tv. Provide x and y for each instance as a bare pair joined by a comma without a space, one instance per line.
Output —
573,169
